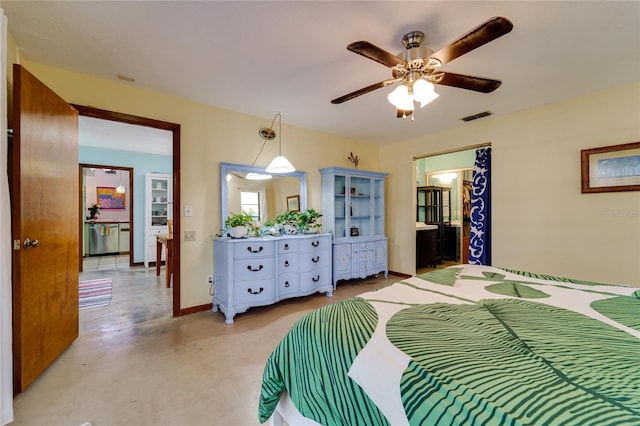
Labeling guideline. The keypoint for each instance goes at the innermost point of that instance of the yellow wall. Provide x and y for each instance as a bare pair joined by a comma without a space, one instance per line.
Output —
541,220
209,136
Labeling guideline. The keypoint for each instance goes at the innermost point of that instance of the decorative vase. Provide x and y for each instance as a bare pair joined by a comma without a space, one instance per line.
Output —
238,232
290,230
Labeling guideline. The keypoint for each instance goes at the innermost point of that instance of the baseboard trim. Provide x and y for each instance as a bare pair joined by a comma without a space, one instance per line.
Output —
399,274
194,309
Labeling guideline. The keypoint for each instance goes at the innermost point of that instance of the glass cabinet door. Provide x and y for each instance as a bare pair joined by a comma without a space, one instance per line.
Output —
159,202
340,203
378,207
360,206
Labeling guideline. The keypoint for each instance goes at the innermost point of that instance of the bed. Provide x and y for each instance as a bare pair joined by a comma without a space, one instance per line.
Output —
467,344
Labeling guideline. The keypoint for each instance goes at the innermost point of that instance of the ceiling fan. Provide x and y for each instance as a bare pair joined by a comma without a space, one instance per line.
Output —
418,66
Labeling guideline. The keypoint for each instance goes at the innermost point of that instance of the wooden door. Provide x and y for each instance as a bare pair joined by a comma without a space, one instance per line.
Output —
44,204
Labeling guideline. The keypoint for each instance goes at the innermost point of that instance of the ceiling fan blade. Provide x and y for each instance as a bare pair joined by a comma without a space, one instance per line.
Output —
362,91
375,53
483,34
477,84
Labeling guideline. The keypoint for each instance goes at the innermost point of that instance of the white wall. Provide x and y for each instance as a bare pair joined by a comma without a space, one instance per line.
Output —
541,220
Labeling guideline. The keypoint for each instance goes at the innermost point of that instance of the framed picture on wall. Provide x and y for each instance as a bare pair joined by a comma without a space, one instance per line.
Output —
109,199
293,203
612,168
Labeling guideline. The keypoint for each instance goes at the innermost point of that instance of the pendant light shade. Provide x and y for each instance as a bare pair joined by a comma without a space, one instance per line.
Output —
120,188
280,165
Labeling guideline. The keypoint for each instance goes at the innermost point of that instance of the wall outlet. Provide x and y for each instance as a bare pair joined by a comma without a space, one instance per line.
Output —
189,235
209,279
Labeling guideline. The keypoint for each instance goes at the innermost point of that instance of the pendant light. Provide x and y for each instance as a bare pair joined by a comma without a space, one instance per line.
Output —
280,164
120,188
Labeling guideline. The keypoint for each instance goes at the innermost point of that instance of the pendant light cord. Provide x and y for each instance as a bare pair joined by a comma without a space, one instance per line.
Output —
265,140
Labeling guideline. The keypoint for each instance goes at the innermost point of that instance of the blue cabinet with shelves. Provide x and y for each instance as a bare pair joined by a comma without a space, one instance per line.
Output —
353,212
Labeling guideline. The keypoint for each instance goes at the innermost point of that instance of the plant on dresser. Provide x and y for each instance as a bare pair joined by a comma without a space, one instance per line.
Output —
353,212
264,270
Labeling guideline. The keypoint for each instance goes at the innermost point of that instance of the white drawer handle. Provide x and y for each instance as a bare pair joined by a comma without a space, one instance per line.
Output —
255,251
255,292
315,259
315,279
315,243
255,270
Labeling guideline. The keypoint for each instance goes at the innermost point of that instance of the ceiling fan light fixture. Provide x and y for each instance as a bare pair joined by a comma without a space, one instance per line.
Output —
401,99
424,92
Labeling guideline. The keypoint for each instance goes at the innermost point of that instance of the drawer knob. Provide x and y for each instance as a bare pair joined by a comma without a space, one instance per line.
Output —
249,267
286,284
286,246
286,263
315,243
255,251
316,279
315,259
255,292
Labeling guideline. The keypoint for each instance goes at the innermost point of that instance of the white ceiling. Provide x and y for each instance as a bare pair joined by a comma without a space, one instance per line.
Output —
263,57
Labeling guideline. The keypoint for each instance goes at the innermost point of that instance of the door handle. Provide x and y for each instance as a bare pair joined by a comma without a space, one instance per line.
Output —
30,243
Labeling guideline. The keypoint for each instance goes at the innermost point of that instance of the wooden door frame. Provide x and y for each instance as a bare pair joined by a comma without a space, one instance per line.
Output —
102,114
83,212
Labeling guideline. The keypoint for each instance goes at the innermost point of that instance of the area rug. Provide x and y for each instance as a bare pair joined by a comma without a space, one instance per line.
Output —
95,293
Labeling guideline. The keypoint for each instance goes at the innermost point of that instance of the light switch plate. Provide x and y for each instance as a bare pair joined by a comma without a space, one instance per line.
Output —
188,211
189,235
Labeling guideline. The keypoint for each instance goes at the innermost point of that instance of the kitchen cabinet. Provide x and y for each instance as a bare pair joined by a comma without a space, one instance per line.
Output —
261,271
158,211
353,212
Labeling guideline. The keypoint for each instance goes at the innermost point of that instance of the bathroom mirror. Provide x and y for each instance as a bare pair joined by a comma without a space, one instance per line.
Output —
265,199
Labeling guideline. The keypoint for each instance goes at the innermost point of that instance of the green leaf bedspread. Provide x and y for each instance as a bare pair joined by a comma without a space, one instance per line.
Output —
465,345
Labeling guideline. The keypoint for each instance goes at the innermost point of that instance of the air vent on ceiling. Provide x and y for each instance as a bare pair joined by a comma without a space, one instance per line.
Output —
476,116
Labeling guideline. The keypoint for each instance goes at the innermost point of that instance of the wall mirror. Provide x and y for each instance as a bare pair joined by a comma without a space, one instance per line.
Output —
264,199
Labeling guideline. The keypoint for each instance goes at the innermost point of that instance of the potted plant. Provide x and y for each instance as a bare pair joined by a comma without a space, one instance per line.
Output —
269,227
308,221
289,221
237,225
94,211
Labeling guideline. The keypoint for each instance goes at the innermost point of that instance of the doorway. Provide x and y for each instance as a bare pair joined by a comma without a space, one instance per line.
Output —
174,128
443,180
106,239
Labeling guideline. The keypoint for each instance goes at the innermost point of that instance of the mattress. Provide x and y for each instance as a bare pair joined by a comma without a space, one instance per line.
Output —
467,344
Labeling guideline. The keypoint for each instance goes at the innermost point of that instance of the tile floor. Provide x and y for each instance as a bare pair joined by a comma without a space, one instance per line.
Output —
134,364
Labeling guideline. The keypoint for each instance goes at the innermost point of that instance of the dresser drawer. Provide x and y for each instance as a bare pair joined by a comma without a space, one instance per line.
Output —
314,244
314,260
287,285
310,281
363,247
287,263
248,249
287,246
254,293
254,269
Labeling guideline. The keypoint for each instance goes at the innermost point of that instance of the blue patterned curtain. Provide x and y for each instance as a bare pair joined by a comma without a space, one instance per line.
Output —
480,238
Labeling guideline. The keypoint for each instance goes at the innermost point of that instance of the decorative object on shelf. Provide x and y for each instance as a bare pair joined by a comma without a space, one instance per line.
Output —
614,168
354,231
238,225
293,203
94,211
355,160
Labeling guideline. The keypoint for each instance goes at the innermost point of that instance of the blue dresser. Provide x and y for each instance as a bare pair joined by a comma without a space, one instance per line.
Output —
262,271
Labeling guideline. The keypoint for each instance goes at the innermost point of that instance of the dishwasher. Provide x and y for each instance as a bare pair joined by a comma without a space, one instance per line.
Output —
103,238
